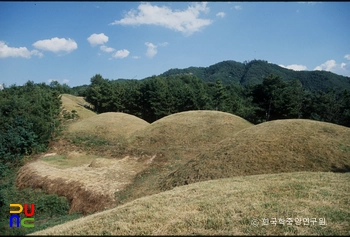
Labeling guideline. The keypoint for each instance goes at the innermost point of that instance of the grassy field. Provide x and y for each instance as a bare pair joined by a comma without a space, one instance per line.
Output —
233,206
198,173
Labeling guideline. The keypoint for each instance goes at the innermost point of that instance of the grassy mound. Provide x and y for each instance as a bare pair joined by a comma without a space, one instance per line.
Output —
108,125
173,141
271,147
189,130
233,206
71,102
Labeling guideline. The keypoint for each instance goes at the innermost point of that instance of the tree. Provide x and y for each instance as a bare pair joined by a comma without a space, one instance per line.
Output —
266,94
220,95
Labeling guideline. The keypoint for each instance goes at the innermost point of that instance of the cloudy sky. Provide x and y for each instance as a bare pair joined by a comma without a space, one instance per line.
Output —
72,41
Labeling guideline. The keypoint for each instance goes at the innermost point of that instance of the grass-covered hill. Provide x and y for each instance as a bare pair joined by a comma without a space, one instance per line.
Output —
232,206
189,130
174,140
272,147
253,72
107,125
226,175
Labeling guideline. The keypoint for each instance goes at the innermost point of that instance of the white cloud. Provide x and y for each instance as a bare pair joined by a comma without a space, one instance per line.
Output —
163,44
37,53
347,56
96,39
327,66
151,50
106,49
6,51
65,81
295,67
136,57
121,53
186,21
238,7
56,45
332,66
221,14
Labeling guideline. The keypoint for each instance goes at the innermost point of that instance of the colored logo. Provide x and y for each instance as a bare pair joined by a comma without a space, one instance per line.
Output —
14,218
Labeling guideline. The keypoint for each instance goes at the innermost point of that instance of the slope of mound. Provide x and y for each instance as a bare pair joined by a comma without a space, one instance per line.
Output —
233,206
189,129
71,102
108,125
173,141
272,147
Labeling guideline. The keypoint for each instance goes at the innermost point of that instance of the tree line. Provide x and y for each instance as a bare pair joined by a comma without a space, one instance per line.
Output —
29,118
158,96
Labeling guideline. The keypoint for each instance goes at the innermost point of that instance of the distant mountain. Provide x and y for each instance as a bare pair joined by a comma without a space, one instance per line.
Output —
253,72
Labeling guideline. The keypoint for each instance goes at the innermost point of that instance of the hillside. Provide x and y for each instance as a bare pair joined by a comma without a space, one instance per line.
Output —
108,125
254,71
189,130
71,102
272,147
234,206
172,141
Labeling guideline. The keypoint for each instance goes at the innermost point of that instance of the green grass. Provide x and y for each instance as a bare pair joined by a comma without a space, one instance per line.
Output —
50,210
61,161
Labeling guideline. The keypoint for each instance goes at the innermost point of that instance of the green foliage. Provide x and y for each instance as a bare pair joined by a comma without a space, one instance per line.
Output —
254,71
52,205
89,141
50,209
274,98
80,90
28,120
70,115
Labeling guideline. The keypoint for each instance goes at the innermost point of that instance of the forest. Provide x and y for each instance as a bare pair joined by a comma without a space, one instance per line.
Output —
158,96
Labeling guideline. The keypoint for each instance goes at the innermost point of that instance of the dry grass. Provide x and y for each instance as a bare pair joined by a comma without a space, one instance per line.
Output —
229,207
142,173
88,182
108,125
189,130
191,147
174,140
71,102
271,147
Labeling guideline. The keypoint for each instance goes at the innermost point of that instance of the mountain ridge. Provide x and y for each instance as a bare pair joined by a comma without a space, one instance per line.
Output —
254,71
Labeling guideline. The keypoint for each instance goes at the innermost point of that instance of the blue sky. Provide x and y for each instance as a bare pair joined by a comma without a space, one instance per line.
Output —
72,41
